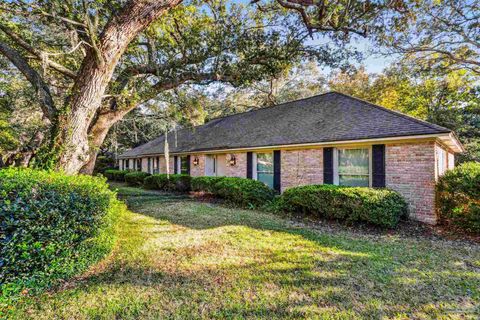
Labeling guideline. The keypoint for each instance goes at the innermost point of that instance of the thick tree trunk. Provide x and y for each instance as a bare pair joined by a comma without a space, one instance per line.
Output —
94,76
98,132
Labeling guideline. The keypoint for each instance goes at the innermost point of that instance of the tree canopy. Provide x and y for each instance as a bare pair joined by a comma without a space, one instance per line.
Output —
78,67
436,33
91,62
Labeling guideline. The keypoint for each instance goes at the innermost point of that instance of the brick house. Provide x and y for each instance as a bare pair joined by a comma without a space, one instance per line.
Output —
330,138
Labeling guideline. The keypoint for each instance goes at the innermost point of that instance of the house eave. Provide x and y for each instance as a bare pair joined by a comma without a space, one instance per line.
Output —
448,138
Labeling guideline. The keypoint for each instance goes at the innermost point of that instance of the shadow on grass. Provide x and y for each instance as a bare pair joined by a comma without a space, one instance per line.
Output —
259,266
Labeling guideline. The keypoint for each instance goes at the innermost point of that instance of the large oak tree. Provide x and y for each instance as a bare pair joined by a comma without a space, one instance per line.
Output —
438,34
92,62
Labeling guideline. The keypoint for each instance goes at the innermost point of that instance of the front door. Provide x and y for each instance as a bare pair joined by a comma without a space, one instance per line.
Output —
215,165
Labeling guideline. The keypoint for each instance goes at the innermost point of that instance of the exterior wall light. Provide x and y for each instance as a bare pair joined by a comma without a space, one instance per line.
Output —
196,161
233,160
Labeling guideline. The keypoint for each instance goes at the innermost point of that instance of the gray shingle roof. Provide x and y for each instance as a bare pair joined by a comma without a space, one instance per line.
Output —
328,117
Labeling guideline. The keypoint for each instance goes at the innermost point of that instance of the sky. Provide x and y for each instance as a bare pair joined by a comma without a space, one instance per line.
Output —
374,63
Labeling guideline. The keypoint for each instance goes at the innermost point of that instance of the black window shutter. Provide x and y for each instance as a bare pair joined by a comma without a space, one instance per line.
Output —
175,164
277,170
188,165
378,166
149,165
328,165
249,165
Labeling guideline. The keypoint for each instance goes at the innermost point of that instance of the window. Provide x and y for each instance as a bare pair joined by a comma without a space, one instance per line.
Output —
156,168
264,168
139,165
184,165
127,164
353,167
441,161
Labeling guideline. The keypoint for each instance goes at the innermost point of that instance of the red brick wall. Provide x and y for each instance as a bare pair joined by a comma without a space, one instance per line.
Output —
301,167
240,168
163,167
197,170
145,164
410,170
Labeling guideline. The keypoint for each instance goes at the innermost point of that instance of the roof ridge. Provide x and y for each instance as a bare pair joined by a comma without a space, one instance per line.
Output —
395,112
268,107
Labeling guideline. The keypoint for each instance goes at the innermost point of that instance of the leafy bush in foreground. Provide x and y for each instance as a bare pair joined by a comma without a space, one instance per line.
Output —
136,178
52,226
239,191
172,182
458,196
382,207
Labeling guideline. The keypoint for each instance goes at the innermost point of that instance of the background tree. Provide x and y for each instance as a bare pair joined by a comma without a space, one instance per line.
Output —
21,121
436,34
447,98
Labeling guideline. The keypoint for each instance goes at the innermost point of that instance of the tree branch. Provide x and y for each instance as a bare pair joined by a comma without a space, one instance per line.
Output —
37,53
43,91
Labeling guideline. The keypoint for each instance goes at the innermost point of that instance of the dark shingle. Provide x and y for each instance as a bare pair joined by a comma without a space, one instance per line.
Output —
324,118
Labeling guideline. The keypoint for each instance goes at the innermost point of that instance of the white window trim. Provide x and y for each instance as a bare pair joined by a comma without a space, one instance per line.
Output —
254,164
336,177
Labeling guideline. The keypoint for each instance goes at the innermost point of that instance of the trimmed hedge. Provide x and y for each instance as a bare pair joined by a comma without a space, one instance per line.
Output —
458,197
136,178
381,207
239,191
206,184
116,175
52,226
174,182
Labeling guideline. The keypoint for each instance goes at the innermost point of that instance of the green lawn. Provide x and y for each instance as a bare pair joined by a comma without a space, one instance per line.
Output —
181,259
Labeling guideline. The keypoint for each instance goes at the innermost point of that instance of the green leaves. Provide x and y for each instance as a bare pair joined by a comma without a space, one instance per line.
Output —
172,182
381,207
136,178
52,225
246,193
458,196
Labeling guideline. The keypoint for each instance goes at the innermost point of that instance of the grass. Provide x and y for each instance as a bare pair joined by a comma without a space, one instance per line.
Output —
178,259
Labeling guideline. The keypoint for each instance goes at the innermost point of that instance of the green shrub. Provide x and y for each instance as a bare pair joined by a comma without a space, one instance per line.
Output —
180,182
157,182
458,196
119,175
382,207
239,191
110,174
174,182
136,178
52,226
116,175
205,184
104,163
150,182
